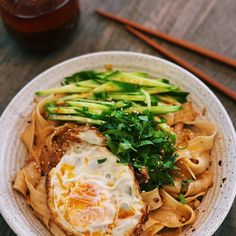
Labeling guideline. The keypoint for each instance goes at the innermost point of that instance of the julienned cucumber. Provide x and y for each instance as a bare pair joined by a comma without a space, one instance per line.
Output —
78,119
156,110
91,97
88,105
71,88
114,86
136,97
130,78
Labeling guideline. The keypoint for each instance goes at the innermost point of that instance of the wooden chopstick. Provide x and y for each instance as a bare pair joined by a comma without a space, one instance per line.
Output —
208,79
166,37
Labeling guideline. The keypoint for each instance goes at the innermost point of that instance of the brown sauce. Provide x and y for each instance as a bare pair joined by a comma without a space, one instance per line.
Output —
40,25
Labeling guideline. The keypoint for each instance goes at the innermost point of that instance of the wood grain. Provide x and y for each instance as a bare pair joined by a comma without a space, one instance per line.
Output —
209,23
179,61
166,37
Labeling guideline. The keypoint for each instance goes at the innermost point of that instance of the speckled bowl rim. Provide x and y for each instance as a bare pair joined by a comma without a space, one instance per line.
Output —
3,208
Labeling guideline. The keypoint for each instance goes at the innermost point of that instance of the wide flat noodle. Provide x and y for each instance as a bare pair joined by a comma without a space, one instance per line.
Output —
27,136
196,156
31,184
170,232
38,130
38,199
175,188
185,115
193,201
152,198
173,214
32,173
56,230
51,226
199,185
38,136
47,149
152,227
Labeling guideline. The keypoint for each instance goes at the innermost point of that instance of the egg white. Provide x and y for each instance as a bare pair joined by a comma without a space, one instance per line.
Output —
89,193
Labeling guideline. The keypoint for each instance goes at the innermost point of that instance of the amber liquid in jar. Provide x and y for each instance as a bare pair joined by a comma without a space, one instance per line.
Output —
40,25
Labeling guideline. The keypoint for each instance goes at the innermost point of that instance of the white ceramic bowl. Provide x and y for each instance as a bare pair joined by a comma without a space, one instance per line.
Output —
219,198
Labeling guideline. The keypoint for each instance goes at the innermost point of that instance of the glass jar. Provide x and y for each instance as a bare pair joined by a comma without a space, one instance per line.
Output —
40,25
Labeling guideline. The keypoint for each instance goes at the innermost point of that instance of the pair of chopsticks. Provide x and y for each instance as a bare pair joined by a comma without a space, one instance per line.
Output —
134,27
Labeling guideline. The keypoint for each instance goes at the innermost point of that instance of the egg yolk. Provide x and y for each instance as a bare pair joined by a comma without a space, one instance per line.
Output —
122,214
66,168
84,205
82,196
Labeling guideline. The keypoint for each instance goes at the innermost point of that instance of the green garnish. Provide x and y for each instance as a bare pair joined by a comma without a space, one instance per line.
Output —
100,161
85,75
182,199
135,140
85,109
126,107
185,182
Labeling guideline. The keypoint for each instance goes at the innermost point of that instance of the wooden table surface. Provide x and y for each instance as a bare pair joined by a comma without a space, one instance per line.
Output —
209,23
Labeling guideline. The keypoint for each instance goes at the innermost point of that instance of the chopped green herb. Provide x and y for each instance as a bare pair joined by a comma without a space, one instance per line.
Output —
100,161
85,75
182,199
135,140
85,109
144,118
185,182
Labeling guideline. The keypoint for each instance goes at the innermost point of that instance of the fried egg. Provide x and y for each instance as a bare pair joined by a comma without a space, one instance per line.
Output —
90,193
